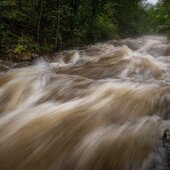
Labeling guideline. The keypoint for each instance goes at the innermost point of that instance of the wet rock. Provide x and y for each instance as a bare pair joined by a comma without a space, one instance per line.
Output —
20,64
167,52
24,57
3,68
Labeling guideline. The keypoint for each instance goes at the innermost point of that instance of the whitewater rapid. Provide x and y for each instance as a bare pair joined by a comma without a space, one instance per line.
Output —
101,107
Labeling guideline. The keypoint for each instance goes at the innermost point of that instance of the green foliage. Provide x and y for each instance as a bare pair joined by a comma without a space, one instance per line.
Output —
159,18
23,49
26,44
104,28
19,49
42,26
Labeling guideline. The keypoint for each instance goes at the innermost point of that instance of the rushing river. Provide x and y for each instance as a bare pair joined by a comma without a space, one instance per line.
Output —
101,107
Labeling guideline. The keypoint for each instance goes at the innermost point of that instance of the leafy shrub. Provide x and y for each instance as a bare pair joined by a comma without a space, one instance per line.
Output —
104,28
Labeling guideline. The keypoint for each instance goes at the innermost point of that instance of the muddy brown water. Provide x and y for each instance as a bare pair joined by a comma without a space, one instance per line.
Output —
103,107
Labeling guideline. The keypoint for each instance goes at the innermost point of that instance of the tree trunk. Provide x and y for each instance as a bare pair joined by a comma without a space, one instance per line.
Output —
58,39
94,5
74,7
39,21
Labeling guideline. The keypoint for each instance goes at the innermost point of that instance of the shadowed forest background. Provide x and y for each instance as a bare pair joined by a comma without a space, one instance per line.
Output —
42,26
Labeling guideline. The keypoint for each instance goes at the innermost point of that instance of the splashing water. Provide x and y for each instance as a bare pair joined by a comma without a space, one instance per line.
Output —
103,107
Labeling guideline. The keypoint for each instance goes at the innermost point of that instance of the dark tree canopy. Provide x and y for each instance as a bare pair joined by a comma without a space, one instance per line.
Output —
43,26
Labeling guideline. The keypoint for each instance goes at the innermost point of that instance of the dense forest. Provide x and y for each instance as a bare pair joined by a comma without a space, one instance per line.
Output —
42,26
